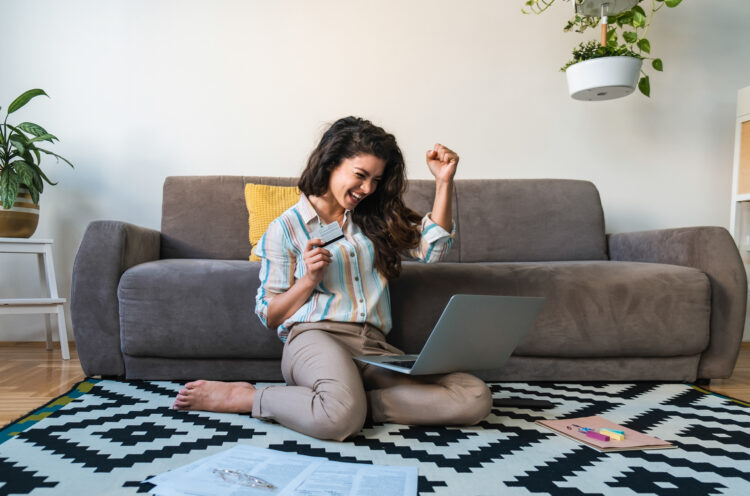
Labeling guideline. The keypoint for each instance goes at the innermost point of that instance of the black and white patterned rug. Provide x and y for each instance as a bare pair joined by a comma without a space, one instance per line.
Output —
105,437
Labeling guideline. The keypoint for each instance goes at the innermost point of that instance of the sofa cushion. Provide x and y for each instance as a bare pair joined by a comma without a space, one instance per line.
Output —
593,309
264,204
194,309
204,308
534,220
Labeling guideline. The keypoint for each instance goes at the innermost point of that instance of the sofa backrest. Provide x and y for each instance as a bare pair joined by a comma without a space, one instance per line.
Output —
530,220
497,220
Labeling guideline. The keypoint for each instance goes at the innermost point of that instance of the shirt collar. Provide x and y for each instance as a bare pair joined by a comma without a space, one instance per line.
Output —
308,213
306,209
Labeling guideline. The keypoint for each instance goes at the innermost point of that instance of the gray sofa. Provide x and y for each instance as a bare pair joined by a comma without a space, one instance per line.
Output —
653,305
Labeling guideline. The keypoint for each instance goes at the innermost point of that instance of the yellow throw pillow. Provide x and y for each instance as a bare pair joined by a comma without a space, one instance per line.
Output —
264,204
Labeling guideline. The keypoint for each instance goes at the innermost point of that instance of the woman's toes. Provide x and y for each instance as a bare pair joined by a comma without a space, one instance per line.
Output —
195,384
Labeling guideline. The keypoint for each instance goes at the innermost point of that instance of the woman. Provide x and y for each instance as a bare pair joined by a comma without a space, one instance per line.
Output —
330,304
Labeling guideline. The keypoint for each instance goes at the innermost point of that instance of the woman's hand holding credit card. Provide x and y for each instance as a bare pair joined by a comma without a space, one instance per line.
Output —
328,234
316,257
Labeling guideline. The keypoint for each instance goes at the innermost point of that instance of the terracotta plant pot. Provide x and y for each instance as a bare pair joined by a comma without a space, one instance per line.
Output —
21,220
604,78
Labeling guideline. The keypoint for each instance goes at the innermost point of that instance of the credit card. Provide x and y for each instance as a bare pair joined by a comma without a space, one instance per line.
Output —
329,234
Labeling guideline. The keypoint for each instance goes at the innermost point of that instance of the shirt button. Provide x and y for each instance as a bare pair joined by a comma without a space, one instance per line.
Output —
361,300
351,254
356,278
362,314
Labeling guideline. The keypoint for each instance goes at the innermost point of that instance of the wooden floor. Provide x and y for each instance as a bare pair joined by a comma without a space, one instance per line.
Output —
30,376
737,386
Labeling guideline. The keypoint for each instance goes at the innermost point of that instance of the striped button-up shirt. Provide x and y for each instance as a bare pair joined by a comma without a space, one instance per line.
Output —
352,289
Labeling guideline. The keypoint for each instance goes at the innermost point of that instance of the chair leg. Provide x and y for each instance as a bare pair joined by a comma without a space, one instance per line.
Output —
63,331
48,329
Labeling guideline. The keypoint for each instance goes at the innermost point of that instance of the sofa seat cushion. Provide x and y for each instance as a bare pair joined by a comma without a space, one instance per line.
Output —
195,308
597,309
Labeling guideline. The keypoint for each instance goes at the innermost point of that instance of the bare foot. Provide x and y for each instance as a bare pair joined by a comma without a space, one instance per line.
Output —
215,396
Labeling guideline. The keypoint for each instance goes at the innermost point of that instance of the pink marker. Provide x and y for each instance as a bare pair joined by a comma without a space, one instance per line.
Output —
596,435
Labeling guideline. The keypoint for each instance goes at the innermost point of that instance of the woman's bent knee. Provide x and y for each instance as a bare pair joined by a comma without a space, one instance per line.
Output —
341,423
338,415
474,399
481,405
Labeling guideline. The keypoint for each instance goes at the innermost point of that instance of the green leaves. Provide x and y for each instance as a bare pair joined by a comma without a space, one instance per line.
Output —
56,155
592,50
630,36
625,18
612,38
44,137
9,186
34,129
644,45
19,142
536,6
672,3
656,64
639,16
644,86
24,171
19,155
24,99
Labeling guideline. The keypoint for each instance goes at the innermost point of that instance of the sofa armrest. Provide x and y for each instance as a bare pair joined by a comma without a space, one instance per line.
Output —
108,249
713,251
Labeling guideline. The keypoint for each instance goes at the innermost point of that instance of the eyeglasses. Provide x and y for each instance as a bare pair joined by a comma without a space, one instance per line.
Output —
237,477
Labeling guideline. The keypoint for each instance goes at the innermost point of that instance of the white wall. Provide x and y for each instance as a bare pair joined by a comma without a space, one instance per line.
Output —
144,89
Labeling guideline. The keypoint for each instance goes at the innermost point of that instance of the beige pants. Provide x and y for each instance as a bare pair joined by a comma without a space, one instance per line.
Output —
328,394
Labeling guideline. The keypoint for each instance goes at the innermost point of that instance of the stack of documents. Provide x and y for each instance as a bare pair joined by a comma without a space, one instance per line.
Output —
250,470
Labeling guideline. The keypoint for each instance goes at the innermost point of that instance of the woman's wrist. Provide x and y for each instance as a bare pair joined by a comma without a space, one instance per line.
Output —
444,183
307,282
443,186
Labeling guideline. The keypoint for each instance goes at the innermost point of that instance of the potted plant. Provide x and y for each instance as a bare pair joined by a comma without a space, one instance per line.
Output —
610,69
21,178
602,72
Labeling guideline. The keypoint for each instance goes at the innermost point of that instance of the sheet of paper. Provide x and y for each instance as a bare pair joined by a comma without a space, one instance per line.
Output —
292,474
354,479
198,478
377,481
328,479
633,439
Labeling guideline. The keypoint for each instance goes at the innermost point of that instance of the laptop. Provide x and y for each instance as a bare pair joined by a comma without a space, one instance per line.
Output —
475,332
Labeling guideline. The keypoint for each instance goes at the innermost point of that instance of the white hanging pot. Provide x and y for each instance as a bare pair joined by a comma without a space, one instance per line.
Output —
604,78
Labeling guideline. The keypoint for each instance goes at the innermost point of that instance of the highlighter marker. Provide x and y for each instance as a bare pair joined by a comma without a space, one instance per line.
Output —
612,434
597,436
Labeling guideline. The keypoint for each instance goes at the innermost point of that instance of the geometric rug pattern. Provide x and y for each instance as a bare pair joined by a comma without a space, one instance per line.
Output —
106,437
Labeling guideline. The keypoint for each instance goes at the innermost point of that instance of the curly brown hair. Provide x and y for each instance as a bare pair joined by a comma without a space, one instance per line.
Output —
391,226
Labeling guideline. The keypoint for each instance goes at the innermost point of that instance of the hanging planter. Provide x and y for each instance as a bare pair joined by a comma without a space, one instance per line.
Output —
624,25
603,78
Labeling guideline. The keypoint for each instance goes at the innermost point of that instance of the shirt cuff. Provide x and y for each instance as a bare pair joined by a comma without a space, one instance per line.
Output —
431,231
